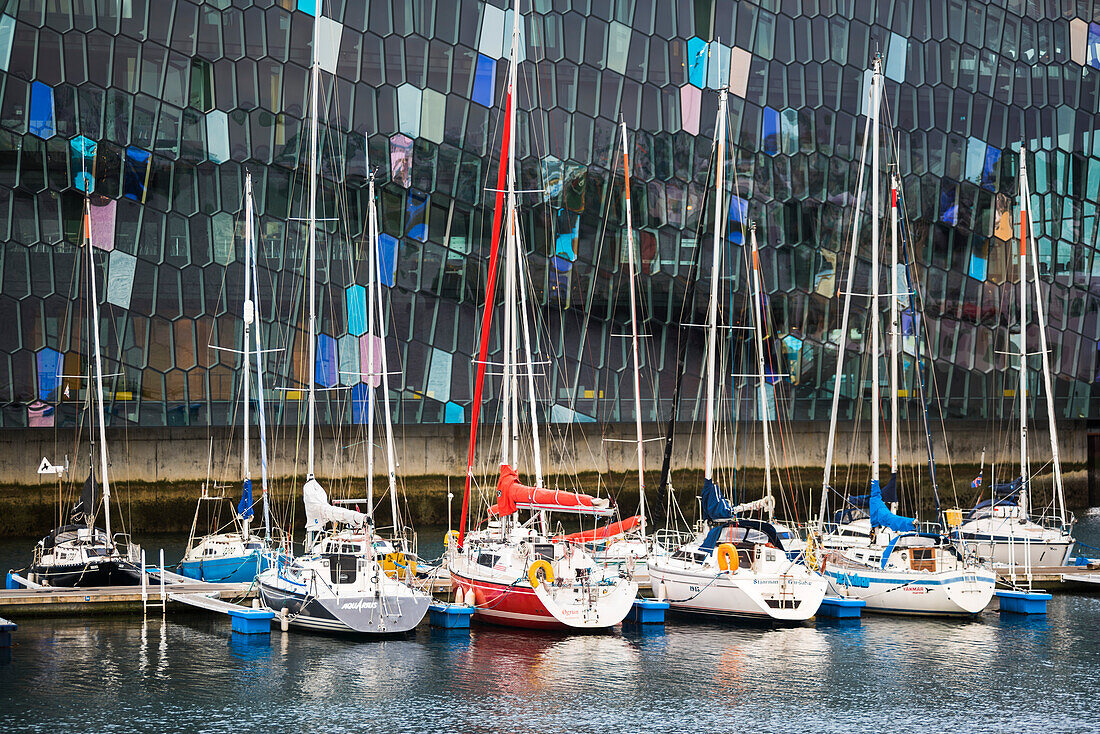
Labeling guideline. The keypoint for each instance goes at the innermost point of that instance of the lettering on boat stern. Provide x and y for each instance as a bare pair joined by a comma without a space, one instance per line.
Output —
359,605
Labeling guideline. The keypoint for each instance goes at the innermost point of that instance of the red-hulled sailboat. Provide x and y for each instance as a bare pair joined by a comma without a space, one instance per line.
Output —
513,570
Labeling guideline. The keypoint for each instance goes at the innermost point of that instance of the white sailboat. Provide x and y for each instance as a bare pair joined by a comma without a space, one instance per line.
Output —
237,554
517,573
81,554
734,566
1002,528
893,568
338,584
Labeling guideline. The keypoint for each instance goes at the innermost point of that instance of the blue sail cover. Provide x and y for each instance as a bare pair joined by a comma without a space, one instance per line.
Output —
881,517
244,508
715,505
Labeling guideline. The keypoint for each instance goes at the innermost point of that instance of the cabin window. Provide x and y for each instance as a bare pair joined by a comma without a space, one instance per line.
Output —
487,559
922,559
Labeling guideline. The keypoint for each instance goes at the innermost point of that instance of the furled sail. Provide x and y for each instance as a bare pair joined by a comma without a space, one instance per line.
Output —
244,507
84,510
514,495
613,530
319,512
715,504
881,517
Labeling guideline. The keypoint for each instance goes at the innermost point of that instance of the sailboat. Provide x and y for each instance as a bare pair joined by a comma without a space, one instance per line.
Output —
516,573
338,584
734,566
238,555
895,568
1001,528
79,553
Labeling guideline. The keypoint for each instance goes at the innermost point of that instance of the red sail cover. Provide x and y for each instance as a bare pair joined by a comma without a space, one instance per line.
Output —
608,531
513,493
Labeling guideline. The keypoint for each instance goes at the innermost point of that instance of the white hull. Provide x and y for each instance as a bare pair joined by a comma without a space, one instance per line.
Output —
742,593
1007,541
917,592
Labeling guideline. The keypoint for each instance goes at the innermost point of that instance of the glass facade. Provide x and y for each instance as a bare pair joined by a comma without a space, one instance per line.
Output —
156,109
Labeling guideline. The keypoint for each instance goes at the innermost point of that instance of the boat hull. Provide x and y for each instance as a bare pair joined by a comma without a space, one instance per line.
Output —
773,598
519,605
352,614
227,569
85,575
947,593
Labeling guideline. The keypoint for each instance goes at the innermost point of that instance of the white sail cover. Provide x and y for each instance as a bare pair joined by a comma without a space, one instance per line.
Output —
319,512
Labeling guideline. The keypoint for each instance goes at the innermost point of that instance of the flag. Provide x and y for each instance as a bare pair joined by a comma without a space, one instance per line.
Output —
977,483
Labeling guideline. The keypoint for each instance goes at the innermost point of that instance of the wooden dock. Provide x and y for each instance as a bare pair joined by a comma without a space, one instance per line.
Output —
1054,578
51,601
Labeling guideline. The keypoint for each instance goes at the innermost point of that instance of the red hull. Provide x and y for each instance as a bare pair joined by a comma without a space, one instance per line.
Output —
513,606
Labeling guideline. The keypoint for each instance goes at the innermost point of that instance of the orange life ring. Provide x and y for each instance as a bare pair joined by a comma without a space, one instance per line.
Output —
727,558
533,573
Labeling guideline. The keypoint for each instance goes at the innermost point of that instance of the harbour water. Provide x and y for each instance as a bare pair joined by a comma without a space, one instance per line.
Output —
189,673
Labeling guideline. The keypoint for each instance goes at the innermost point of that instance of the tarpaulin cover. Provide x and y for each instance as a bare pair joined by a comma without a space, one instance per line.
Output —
319,512
715,504
244,507
512,492
881,517
608,531
890,489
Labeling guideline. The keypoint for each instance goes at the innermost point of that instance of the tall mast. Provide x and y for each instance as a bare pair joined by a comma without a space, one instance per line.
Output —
1048,388
762,389
376,285
895,354
715,268
876,85
510,431
536,447
372,284
315,82
1022,390
248,315
261,415
98,380
632,273
826,482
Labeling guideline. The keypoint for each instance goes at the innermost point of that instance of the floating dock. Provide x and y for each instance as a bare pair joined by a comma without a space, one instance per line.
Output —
1054,578
45,600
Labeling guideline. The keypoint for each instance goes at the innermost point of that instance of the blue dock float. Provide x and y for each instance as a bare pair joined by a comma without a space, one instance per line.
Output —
6,628
1022,602
449,616
836,607
647,611
11,583
251,621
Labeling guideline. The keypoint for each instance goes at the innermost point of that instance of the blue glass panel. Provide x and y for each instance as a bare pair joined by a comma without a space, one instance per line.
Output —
136,175
697,62
416,209
949,212
564,248
82,155
895,58
41,122
739,215
1094,45
484,80
769,136
975,159
454,413
308,6
325,369
989,176
360,402
49,373
356,297
977,266
387,259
